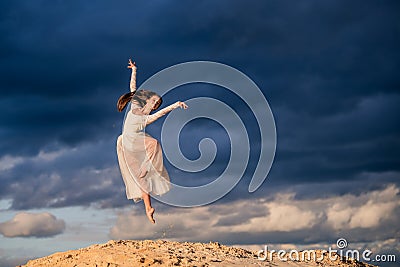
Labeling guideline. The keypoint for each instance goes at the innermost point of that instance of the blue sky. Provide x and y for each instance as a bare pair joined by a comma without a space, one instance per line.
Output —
329,70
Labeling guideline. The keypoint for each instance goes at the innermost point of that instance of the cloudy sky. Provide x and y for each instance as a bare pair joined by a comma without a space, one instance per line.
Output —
327,68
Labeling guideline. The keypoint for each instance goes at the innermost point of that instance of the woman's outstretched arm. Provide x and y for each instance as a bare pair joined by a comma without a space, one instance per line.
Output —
153,117
132,65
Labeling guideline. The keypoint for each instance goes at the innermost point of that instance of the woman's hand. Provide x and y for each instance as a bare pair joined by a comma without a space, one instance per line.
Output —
131,64
181,104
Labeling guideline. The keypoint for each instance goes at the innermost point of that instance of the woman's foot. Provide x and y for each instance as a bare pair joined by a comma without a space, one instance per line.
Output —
149,214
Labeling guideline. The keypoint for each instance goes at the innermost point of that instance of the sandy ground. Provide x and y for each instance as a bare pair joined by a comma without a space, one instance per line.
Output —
167,253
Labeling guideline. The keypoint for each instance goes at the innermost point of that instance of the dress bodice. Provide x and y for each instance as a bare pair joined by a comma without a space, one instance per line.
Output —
133,127
134,123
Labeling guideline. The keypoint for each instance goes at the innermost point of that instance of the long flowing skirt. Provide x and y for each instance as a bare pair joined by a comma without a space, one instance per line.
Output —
136,156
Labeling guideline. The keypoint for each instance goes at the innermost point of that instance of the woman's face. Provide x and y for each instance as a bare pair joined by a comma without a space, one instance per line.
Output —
154,102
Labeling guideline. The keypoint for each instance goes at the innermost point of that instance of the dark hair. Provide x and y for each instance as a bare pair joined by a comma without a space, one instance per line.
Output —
123,100
139,97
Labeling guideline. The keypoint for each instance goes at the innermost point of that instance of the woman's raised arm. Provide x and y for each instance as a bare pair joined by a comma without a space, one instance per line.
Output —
153,117
132,65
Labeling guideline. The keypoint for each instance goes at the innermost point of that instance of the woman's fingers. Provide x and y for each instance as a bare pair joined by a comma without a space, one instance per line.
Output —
183,105
131,64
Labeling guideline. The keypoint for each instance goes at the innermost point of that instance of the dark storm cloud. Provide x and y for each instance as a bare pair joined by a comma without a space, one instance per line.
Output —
328,69
70,177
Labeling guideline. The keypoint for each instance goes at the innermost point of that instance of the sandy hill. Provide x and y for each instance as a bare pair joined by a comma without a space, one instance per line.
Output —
167,253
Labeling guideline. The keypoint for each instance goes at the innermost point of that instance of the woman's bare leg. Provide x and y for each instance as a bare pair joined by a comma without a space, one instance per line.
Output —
151,146
148,207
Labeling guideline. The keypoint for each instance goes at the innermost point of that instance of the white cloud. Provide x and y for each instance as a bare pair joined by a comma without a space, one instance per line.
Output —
50,156
8,162
32,225
364,211
283,217
282,213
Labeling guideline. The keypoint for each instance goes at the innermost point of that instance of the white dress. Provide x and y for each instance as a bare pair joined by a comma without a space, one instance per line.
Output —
138,151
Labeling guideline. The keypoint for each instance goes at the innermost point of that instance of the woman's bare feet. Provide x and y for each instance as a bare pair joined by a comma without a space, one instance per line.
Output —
149,214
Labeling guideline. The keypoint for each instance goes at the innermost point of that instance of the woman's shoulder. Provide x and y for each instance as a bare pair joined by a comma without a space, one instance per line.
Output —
137,113
135,109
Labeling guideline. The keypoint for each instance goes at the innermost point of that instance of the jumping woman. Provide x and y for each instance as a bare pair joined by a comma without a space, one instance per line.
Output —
140,155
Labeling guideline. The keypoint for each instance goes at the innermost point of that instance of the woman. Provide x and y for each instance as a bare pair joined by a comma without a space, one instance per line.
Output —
140,155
